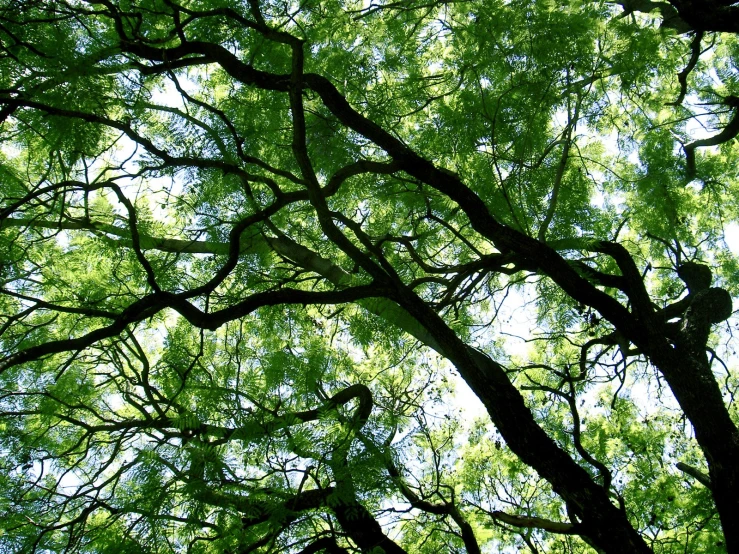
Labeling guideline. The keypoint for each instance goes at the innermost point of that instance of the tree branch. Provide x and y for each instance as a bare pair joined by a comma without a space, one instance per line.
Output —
698,475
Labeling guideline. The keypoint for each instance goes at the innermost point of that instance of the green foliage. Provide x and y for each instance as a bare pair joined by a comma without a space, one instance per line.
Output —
261,261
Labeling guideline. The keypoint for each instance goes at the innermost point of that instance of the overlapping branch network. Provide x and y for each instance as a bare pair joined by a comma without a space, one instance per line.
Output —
406,288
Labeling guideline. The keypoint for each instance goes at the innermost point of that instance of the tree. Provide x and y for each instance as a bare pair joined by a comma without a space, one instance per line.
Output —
248,248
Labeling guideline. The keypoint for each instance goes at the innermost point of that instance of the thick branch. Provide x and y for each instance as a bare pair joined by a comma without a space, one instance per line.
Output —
151,304
670,16
682,77
535,523
324,544
727,133
698,475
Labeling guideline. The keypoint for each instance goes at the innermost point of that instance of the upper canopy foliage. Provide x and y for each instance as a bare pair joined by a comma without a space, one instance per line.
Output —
248,249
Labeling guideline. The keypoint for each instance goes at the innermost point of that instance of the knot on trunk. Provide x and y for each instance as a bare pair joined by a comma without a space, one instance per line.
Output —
708,306
696,276
713,304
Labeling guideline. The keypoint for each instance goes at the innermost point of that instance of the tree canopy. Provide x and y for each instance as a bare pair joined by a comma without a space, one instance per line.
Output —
260,259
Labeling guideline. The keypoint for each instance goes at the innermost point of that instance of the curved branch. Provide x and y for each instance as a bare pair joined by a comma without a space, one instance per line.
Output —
325,544
535,523
729,132
698,475
146,242
682,77
670,16
153,303
141,309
